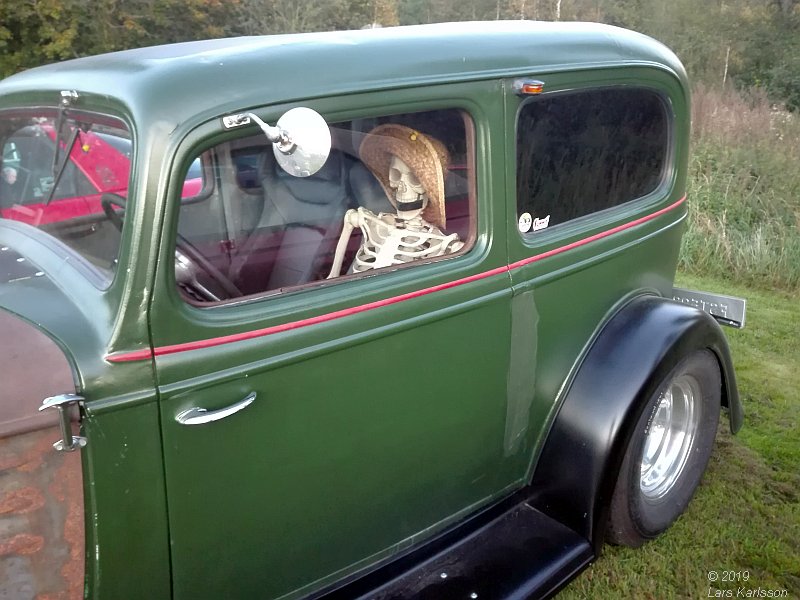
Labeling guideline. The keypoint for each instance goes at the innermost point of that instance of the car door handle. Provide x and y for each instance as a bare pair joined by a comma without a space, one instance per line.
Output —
200,416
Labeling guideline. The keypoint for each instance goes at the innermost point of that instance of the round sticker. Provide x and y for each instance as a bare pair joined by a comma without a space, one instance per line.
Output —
525,222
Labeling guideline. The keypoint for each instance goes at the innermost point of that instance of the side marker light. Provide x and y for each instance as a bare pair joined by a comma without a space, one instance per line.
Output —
528,87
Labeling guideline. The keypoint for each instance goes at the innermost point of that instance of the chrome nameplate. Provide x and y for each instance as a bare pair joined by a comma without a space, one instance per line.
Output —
727,310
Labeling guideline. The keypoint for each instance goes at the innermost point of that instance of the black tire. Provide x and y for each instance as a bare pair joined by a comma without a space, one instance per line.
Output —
646,499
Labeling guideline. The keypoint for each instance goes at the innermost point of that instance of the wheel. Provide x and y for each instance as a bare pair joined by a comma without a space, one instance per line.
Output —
668,452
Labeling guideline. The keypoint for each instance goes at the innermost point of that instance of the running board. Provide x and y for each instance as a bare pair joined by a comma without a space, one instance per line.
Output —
520,554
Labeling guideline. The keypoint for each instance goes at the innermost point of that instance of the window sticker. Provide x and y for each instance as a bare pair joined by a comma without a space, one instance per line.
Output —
525,222
539,224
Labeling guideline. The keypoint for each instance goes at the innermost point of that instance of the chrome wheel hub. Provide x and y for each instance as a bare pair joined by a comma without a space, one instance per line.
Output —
670,437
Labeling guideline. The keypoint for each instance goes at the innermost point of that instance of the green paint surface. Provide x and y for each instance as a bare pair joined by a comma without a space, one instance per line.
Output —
371,432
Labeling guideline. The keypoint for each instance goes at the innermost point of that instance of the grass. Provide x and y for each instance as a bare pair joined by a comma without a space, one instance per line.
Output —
746,513
744,191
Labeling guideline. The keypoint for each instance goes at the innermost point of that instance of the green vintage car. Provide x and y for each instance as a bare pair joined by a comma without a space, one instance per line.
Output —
378,314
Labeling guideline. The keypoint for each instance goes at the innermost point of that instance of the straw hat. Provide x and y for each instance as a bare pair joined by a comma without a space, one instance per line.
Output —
425,156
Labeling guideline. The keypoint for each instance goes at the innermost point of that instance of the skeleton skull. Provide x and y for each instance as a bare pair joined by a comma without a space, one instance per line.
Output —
410,196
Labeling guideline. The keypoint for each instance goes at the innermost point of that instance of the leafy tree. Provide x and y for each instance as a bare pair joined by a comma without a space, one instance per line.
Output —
749,42
259,17
36,32
772,52
384,12
33,32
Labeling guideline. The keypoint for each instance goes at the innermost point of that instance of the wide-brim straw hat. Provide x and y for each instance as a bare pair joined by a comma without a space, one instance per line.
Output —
425,156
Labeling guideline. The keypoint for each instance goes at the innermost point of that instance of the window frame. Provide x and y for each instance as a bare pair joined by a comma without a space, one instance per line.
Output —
666,175
219,136
102,280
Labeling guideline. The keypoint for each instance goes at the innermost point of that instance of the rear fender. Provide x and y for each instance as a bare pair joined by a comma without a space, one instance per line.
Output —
631,355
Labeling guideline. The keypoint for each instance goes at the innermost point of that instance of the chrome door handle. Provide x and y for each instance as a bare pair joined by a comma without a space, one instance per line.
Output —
200,416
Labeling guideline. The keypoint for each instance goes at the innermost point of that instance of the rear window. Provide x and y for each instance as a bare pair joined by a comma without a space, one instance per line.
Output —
582,152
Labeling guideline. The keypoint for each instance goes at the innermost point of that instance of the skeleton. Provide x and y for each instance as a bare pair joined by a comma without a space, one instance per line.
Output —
394,239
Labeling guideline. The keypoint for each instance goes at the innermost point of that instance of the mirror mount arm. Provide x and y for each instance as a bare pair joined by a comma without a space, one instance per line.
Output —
276,135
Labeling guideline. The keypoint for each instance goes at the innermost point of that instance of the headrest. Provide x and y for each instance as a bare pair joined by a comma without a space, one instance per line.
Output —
326,186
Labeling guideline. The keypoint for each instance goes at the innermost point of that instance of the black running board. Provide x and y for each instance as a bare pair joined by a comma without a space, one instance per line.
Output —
522,553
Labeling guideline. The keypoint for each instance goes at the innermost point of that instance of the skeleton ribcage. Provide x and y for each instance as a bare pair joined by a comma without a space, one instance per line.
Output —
388,240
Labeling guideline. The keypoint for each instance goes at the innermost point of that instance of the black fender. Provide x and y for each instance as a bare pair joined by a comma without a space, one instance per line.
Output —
630,356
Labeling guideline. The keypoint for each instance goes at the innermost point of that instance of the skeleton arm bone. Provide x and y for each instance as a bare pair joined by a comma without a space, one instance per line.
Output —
351,221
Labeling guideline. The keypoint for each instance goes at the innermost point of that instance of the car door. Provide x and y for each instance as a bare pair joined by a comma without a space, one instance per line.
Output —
596,210
336,421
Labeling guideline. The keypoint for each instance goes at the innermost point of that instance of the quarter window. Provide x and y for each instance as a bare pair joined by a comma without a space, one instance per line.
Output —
67,174
394,191
582,152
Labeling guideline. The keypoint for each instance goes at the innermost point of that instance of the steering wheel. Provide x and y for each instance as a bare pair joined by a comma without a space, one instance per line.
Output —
192,268
108,200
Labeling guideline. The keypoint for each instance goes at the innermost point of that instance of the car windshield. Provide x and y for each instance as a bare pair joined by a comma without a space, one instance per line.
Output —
64,173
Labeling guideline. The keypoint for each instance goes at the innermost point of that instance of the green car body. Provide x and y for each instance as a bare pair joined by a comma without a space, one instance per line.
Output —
389,409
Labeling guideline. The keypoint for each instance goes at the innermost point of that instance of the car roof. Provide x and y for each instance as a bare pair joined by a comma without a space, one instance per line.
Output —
171,82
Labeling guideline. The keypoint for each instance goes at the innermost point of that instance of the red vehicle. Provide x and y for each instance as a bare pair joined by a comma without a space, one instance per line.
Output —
37,189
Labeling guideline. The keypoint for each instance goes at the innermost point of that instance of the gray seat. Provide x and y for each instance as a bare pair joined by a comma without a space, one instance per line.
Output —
299,224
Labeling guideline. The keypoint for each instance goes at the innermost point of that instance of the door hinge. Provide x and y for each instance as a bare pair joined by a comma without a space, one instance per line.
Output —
63,402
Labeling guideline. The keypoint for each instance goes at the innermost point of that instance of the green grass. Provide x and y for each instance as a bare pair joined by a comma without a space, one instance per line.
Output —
746,513
743,190
744,213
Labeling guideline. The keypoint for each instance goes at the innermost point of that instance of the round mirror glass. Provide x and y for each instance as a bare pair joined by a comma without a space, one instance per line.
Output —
310,142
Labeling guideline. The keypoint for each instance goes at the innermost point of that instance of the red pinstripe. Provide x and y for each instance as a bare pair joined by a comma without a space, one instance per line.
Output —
256,333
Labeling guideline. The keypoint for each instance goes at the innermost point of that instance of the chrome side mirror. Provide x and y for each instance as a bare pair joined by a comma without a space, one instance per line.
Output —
301,140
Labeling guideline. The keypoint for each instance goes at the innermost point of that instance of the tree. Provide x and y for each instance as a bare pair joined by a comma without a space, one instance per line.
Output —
786,7
753,42
384,12
36,32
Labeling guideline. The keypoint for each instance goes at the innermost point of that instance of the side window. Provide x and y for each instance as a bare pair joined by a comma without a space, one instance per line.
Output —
67,176
395,190
582,152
